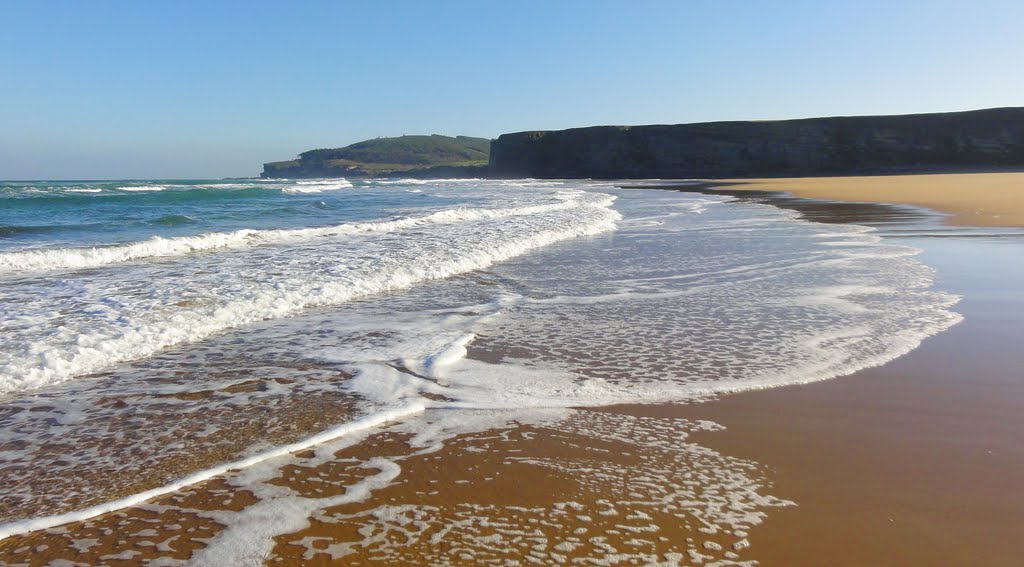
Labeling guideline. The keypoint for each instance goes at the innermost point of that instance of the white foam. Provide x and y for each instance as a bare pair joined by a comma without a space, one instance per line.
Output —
34,524
156,247
317,186
434,364
159,247
143,188
671,476
124,335
249,536
409,181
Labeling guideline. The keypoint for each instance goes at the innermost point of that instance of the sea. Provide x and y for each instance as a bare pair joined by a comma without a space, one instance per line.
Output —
157,334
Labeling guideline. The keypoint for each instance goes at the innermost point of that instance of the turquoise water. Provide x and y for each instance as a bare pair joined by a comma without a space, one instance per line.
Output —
106,272
95,213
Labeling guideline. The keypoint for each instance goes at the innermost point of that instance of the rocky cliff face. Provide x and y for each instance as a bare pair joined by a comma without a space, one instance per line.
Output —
815,146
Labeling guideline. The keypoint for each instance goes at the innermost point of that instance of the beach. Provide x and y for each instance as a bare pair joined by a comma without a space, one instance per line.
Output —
505,285
912,462
971,199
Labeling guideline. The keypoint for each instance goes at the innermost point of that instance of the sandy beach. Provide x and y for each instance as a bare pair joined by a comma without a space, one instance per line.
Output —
912,463
971,199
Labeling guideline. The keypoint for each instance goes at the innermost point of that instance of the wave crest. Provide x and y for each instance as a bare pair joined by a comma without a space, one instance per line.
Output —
159,247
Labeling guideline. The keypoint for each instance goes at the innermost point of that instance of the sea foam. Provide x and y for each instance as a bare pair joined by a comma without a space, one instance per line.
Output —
161,247
317,271
317,186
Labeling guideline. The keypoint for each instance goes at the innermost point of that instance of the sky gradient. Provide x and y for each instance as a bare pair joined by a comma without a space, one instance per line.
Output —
155,89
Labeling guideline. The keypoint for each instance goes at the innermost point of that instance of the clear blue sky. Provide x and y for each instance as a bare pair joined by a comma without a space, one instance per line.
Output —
112,89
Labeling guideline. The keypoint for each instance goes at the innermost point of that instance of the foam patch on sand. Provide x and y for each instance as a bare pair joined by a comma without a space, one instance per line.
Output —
621,512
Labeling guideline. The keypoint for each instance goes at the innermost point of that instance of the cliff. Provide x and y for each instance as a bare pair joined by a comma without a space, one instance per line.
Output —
420,155
780,148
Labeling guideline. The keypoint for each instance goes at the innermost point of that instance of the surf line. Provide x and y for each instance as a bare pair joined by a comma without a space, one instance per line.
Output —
20,527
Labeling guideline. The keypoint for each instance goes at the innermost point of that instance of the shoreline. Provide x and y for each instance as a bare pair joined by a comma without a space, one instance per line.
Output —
996,200
970,199
913,462
813,458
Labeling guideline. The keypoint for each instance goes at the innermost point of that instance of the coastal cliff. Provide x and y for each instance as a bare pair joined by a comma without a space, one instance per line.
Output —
992,138
408,156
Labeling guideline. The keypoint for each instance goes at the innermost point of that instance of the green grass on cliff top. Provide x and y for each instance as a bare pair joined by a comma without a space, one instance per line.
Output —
407,150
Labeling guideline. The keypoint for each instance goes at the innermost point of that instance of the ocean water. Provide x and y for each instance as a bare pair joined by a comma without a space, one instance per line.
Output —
157,333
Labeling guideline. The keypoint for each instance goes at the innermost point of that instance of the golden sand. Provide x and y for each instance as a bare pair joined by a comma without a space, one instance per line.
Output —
911,464
972,199
535,494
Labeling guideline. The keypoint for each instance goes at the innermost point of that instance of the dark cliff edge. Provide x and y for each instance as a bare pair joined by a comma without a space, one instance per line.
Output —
854,145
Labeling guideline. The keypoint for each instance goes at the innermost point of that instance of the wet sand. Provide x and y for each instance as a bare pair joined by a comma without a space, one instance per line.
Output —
914,463
601,485
971,199
917,462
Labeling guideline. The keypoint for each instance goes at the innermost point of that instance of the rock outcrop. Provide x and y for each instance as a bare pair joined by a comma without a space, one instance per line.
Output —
781,148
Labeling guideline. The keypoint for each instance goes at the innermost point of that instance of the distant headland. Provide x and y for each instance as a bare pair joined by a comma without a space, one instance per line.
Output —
851,145
409,156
